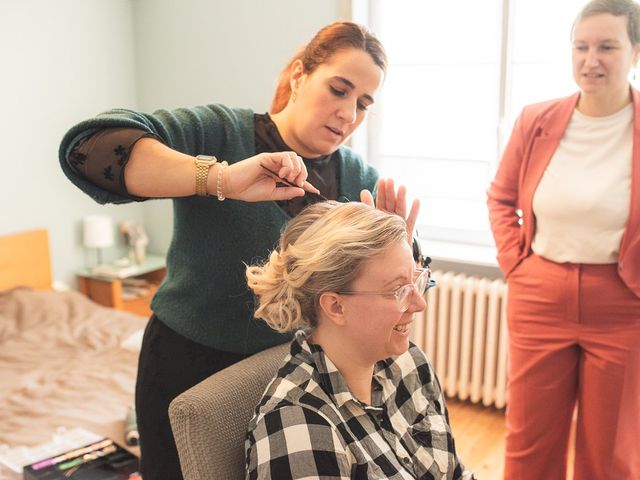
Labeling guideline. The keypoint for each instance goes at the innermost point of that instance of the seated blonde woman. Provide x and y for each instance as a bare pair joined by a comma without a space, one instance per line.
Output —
355,398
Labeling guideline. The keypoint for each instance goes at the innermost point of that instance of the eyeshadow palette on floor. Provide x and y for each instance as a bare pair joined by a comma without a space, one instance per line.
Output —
102,460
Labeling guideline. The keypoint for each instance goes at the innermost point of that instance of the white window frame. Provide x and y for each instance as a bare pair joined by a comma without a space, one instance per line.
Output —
458,245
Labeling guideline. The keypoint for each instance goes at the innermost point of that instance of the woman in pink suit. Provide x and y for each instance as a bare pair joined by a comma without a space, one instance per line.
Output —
565,214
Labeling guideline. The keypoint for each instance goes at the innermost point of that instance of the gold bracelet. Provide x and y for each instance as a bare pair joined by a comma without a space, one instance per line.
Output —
203,164
219,180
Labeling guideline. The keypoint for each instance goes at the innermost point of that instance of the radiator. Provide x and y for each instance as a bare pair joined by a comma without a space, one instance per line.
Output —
464,332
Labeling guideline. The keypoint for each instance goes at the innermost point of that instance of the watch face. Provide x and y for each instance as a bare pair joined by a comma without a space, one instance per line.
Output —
206,158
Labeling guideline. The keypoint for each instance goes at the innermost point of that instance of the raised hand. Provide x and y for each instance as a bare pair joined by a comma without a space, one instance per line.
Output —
389,200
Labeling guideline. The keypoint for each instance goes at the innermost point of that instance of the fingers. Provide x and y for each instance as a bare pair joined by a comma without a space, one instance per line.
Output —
302,175
412,218
267,176
366,198
401,202
290,167
389,200
381,194
390,196
310,188
287,165
386,198
286,193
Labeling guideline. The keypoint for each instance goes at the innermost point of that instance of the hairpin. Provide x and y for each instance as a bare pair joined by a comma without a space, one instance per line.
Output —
285,182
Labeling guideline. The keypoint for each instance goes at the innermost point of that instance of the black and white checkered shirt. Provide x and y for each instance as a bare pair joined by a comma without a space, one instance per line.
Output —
309,425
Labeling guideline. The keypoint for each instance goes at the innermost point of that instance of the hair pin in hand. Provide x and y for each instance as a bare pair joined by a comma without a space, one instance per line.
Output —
284,182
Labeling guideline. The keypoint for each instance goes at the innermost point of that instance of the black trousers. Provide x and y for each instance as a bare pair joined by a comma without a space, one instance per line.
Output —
169,364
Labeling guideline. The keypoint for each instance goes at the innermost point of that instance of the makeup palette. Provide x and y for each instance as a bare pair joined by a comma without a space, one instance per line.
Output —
101,460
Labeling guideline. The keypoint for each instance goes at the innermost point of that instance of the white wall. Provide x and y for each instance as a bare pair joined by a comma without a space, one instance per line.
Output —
61,61
202,51
66,60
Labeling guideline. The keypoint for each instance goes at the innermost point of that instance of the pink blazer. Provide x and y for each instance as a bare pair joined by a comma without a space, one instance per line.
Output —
535,137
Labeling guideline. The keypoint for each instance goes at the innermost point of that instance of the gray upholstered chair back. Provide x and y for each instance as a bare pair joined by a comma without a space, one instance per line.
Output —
209,421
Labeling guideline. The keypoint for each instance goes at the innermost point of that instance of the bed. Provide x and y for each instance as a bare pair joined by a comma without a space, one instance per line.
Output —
64,360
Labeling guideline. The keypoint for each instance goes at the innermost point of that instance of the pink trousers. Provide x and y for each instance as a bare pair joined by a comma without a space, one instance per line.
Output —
574,340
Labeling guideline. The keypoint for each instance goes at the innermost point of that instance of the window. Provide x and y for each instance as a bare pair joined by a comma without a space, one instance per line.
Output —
459,74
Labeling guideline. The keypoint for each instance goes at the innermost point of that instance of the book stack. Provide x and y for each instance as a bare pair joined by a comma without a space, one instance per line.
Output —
115,271
134,288
100,460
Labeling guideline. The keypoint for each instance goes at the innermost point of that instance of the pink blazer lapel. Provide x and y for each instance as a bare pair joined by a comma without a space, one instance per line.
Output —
548,133
632,230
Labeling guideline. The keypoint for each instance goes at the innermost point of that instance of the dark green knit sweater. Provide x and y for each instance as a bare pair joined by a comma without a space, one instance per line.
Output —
204,296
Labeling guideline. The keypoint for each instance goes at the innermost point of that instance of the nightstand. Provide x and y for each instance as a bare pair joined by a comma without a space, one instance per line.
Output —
127,288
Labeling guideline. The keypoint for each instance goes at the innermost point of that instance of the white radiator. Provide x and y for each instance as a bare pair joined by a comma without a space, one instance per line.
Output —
464,333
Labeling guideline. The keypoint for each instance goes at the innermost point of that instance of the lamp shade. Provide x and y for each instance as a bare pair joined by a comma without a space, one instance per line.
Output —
98,231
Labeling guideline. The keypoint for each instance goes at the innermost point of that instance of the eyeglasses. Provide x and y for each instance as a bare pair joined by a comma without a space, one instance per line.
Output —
403,295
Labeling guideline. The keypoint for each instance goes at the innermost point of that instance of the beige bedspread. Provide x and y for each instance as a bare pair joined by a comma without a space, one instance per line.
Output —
62,364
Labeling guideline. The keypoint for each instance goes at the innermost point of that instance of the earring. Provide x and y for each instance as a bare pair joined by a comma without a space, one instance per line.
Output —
294,95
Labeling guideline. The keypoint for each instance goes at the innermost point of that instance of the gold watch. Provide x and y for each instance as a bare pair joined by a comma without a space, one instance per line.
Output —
203,165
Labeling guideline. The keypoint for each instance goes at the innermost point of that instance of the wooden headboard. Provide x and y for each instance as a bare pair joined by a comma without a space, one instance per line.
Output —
25,261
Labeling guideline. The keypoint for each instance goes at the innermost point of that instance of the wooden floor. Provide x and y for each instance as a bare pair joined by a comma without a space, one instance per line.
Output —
479,435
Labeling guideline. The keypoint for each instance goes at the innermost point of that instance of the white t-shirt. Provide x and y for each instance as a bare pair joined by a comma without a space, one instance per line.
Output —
582,202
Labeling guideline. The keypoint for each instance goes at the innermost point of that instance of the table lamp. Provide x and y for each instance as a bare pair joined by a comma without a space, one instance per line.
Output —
97,233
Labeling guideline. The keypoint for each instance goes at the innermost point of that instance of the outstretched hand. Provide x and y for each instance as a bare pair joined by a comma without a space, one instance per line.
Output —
389,200
267,176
